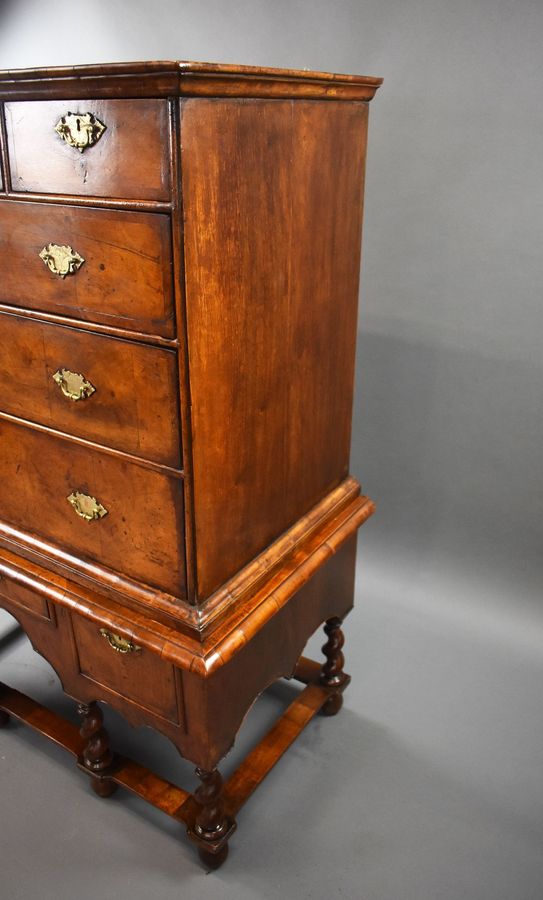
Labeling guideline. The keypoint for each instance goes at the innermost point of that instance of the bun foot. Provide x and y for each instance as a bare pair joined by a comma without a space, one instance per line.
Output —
4,718
332,705
104,787
213,860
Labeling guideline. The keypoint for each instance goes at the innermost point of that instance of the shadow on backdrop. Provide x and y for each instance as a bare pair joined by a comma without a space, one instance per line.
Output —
447,442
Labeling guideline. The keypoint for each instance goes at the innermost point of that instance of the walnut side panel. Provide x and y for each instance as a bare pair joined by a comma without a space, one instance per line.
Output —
272,194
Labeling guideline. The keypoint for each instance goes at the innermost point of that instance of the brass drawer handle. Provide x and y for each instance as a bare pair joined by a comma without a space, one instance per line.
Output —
73,385
118,643
80,130
61,259
86,507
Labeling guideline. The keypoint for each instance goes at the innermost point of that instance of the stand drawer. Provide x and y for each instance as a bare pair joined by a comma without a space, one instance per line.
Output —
22,597
118,664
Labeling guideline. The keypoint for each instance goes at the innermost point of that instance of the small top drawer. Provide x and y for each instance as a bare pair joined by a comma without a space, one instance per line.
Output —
99,148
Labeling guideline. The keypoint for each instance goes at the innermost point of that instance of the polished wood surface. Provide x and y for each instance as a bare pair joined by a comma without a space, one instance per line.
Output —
125,281
137,674
170,78
208,339
26,598
272,321
140,537
208,813
130,159
97,756
134,406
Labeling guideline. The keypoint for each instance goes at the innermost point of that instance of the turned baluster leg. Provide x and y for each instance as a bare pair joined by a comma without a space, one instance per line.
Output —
212,827
332,674
97,755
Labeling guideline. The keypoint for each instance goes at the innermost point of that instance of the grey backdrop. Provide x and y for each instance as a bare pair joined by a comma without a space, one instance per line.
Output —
429,785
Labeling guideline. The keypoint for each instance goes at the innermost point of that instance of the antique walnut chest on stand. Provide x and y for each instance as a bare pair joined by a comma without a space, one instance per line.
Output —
180,249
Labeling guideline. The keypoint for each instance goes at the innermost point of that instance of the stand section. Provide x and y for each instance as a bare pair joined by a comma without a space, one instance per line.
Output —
209,813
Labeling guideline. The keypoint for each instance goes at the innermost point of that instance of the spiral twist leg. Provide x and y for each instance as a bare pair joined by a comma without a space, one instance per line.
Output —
212,826
97,754
332,674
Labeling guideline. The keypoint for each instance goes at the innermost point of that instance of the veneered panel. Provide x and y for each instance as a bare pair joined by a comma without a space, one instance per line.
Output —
130,160
134,404
272,194
125,281
140,537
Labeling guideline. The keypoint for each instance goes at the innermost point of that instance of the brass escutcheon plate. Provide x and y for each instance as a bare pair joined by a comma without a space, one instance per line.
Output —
86,507
61,259
118,643
80,130
73,385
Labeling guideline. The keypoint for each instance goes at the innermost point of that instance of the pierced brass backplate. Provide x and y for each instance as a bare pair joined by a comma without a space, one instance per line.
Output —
80,130
73,386
61,259
118,643
86,507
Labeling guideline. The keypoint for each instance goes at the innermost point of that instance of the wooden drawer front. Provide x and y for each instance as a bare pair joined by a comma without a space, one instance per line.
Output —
22,597
129,160
142,534
138,675
125,279
134,403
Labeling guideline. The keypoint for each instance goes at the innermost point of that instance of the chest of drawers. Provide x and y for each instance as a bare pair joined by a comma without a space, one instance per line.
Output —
179,249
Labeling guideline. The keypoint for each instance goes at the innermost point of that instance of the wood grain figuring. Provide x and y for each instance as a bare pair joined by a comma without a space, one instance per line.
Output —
183,355
157,206
140,676
152,339
142,535
169,78
128,610
26,598
279,554
211,324
130,160
210,800
125,281
272,203
133,408
260,761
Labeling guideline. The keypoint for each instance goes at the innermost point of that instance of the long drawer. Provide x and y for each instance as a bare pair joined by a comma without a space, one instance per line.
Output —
118,393
106,266
100,148
120,514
